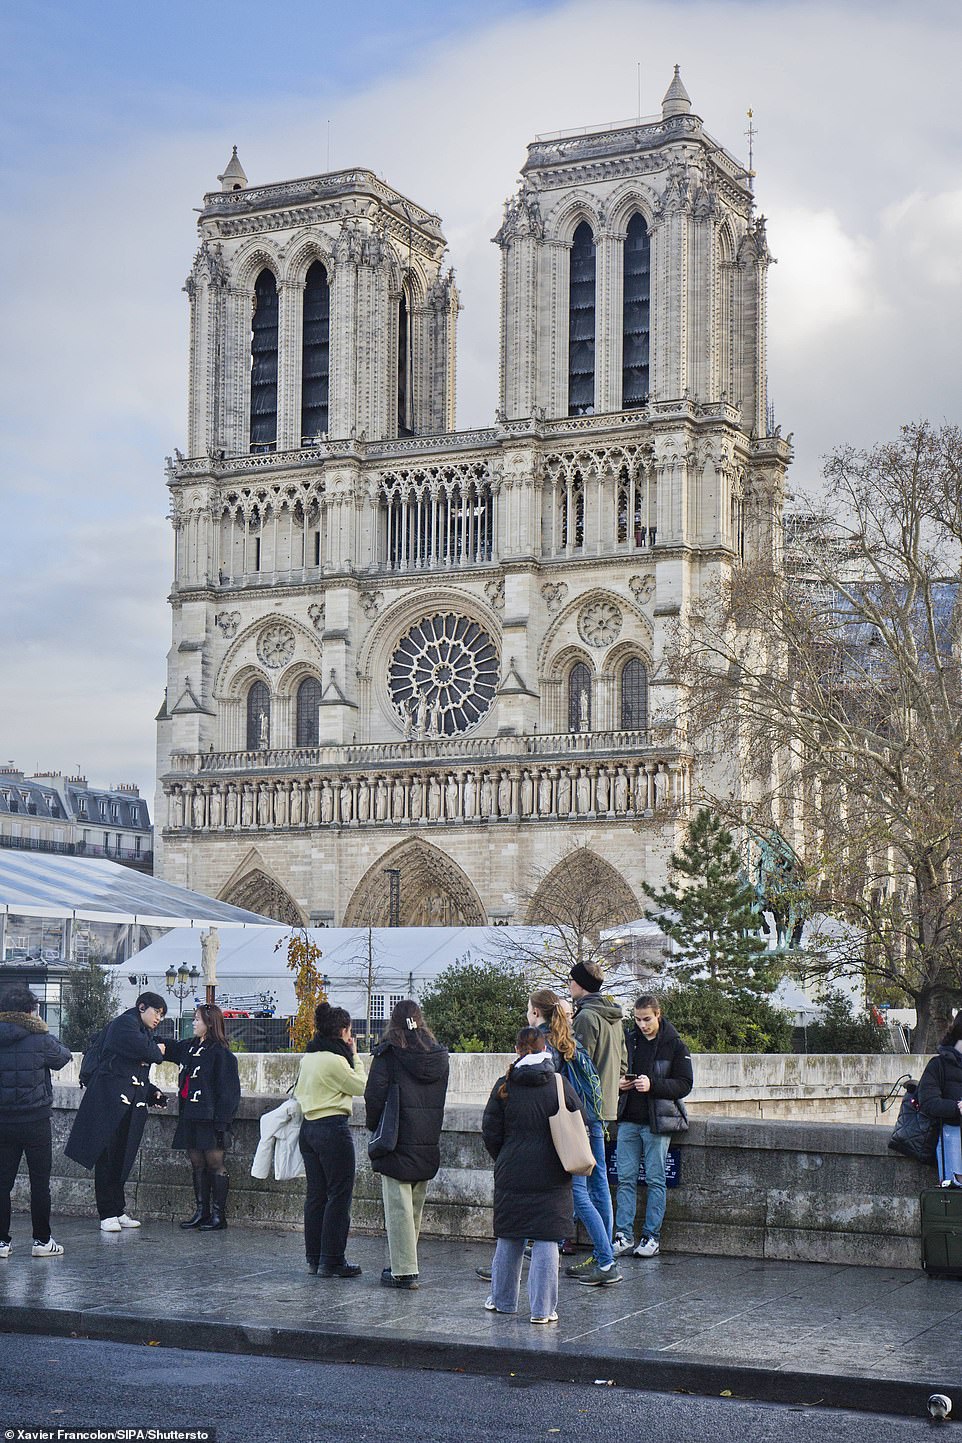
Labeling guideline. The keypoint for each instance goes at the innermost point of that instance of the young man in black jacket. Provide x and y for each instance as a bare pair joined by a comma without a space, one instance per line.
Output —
28,1053
659,1076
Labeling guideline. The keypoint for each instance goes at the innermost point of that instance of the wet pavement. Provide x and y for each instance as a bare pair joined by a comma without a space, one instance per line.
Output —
852,1337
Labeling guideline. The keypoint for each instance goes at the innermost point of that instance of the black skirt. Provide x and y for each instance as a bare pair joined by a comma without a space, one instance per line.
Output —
200,1135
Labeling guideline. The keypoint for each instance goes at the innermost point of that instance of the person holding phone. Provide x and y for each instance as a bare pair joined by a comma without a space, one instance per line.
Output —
331,1075
659,1075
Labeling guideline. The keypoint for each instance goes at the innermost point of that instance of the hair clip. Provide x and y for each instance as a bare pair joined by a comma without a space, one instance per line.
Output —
410,1022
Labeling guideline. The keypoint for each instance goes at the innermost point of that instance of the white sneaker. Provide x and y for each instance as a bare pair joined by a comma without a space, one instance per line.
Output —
621,1244
647,1248
5,1249
128,1222
50,1249
551,1318
111,1225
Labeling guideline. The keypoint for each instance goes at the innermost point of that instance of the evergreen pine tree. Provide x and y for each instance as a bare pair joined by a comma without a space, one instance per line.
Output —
708,911
89,1002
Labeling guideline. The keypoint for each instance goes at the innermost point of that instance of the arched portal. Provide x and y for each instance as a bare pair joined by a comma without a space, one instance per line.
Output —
434,892
584,893
257,892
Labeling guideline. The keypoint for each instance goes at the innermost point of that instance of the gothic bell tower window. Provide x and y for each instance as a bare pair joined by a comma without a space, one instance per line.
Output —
404,422
581,323
443,675
315,354
636,329
634,696
264,364
308,703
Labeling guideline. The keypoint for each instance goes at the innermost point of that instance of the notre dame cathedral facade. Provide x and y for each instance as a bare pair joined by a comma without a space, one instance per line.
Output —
406,651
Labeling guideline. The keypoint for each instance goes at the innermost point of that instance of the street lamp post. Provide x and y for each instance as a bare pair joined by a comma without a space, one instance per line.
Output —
182,983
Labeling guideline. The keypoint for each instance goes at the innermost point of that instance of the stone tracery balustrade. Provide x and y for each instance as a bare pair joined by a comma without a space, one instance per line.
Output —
589,789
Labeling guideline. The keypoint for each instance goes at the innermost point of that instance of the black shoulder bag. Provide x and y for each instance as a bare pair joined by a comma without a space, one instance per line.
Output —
383,1139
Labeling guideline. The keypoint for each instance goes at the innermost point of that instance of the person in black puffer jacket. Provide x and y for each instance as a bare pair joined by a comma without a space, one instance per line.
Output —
659,1076
28,1053
532,1191
940,1095
411,1056
209,1092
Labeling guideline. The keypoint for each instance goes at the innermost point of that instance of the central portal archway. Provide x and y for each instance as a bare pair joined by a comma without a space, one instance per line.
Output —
434,892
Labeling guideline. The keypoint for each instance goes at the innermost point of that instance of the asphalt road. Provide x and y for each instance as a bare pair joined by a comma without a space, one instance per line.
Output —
65,1383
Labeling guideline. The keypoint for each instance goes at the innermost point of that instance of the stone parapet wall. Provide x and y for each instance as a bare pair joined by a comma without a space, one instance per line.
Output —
817,1192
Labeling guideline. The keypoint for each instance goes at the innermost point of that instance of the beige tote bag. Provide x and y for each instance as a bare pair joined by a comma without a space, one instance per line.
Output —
570,1136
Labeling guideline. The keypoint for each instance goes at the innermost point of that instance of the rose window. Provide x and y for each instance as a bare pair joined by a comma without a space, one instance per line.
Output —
443,675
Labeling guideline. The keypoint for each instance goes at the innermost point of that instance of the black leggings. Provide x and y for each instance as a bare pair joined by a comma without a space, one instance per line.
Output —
212,1159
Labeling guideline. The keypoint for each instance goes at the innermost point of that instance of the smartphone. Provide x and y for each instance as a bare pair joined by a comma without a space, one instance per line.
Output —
631,1076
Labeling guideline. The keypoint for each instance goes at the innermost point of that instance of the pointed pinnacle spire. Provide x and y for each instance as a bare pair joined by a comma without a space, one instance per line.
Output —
233,177
677,101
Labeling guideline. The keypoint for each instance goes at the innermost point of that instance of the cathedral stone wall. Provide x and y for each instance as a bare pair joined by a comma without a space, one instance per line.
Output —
396,645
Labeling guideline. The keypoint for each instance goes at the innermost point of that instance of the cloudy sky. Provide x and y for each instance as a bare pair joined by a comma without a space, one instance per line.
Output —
116,118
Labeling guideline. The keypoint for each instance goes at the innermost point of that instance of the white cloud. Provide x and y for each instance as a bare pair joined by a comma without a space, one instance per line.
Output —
824,279
928,229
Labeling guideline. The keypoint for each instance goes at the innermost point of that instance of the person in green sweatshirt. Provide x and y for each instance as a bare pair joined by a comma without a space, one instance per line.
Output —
331,1075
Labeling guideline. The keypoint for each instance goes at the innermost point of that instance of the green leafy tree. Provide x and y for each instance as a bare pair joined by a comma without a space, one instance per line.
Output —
842,1030
708,910
471,1008
89,1002
713,1020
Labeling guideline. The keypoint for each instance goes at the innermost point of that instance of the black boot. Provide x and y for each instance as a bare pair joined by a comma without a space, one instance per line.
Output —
219,1187
201,1197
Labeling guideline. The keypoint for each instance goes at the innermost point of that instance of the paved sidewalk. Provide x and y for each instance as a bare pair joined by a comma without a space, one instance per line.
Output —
812,1333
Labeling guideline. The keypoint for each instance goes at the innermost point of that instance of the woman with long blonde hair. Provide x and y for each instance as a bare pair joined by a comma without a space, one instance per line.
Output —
591,1195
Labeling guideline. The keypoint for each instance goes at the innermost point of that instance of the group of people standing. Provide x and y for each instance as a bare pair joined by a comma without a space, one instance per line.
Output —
605,1074
109,1125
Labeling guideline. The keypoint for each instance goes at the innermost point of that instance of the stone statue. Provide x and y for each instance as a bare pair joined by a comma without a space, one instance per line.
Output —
381,799
199,808
583,792
601,792
263,732
263,806
421,716
470,796
434,799
433,716
364,801
397,800
487,795
247,807
231,807
327,802
209,948
408,721
582,710
177,808
564,794
216,807
621,792
504,795
347,802
417,799
544,795
296,804
313,810
527,795
280,805
451,798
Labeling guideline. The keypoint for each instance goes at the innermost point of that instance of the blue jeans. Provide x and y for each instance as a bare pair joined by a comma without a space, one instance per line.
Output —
542,1277
634,1141
949,1153
592,1199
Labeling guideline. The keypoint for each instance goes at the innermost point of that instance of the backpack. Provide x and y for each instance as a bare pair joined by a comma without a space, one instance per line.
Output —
92,1058
581,1073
